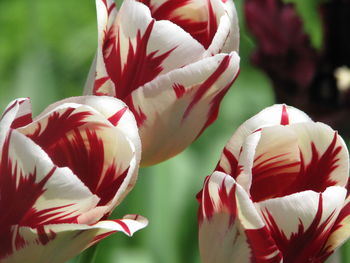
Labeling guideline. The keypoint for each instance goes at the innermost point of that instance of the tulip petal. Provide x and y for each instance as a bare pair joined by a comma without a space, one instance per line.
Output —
137,49
230,228
275,115
301,223
106,13
122,119
199,18
33,191
324,157
268,157
58,243
20,111
180,105
73,134
226,38
341,229
305,156
232,42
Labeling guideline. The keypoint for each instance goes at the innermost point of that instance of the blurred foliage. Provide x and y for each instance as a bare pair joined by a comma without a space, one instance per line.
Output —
309,12
46,48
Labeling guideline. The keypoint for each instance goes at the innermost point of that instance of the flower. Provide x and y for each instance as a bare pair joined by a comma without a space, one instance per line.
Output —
63,172
171,62
278,193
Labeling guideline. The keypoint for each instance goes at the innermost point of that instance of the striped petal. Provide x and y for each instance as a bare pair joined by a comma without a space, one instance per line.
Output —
324,156
33,191
17,113
304,156
174,109
202,19
58,243
301,223
271,116
137,49
341,229
117,113
230,228
73,134
226,38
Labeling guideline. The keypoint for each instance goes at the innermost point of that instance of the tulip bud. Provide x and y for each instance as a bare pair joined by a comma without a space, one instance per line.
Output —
61,173
171,62
279,192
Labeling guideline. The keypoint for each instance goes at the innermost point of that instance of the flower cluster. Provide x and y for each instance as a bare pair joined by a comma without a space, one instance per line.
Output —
278,194
161,71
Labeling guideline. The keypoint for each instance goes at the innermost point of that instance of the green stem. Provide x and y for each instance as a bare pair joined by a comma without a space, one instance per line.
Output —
345,252
89,255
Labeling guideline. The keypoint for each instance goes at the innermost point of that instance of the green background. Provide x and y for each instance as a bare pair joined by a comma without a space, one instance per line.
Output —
46,48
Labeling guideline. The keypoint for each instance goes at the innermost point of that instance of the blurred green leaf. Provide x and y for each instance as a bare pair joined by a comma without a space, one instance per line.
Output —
310,14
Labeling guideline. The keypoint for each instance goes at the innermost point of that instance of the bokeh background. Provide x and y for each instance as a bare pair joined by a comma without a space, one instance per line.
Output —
46,48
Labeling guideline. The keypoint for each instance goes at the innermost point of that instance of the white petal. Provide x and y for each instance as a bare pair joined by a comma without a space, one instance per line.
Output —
226,38
175,108
73,134
271,116
16,114
301,222
324,155
58,243
341,229
230,228
38,190
141,49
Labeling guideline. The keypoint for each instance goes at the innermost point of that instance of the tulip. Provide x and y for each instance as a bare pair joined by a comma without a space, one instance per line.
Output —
278,193
171,62
62,174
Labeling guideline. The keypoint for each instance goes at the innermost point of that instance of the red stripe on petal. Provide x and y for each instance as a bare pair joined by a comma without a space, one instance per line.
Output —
228,202
139,115
306,245
206,85
21,121
285,116
98,84
111,8
58,124
206,207
320,167
18,193
110,184
123,225
212,25
234,169
266,180
139,67
263,247
115,118
179,90
8,109
215,105
83,153
314,176
34,218
45,237
202,31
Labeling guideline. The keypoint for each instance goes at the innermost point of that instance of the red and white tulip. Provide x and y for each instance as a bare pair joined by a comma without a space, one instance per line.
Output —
62,174
279,192
171,62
